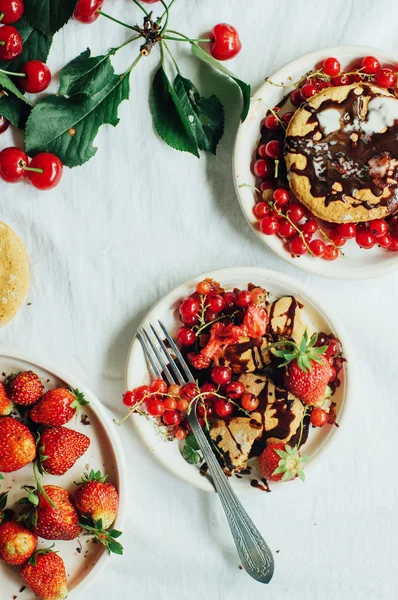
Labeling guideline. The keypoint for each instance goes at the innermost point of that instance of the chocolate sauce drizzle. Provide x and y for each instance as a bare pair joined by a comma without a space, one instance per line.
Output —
340,157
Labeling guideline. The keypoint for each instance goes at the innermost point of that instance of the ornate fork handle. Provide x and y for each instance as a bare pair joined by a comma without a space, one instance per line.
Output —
254,553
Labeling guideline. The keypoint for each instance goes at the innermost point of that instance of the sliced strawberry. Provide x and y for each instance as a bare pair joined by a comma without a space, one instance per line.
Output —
255,321
221,336
198,361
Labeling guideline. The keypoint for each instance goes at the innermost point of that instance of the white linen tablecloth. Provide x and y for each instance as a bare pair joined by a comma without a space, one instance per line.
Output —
139,219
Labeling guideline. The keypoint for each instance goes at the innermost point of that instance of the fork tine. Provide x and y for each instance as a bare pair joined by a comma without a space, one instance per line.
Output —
178,354
159,357
170,359
147,352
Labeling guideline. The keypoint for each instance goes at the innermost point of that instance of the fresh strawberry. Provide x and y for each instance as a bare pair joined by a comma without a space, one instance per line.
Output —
308,371
24,388
50,513
255,321
96,499
280,462
17,544
5,402
45,574
17,446
58,407
60,448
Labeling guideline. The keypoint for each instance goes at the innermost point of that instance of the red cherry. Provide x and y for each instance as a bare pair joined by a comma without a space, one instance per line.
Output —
336,238
223,409
12,164
281,196
264,167
384,241
308,90
319,417
215,303
261,210
269,226
4,124
317,247
249,402
129,399
297,246
331,66
271,122
365,238
221,375
331,252
10,43
159,386
347,230
340,80
274,149
370,65
287,117
296,212
38,77
235,390
386,78
378,227
85,11
48,171
296,97
286,229
309,227
243,299
155,407
186,336
171,418
226,42
12,11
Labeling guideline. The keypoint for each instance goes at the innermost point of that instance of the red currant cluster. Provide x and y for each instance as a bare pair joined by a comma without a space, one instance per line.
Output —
277,211
44,170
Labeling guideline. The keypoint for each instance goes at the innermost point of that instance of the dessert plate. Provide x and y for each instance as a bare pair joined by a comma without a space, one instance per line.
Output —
356,262
315,315
83,559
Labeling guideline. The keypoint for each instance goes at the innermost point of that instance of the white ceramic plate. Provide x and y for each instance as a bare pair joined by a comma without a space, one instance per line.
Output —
357,263
105,453
137,373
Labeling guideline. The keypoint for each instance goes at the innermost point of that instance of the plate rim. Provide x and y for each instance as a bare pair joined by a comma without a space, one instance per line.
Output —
371,272
328,314
101,412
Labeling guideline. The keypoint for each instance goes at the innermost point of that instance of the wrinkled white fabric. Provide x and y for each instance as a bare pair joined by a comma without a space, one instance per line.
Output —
139,219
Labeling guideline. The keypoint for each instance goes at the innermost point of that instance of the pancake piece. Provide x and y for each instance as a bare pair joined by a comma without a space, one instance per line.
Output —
14,273
342,153
243,357
234,439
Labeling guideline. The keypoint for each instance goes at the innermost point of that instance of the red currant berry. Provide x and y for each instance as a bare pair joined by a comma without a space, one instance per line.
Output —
333,347
310,226
142,391
223,409
261,152
10,43
347,230
365,238
170,403
296,97
12,164
331,252
287,117
243,299
331,66
235,390
189,319
189,307
394,245
295,212
263,167
356,78
186,336
336,238
269,226
208,389
286,229
189,391
215,303
384,241
38,77
249,402
171,418
281,196
261,210
319,417
221,375
210,315
85,11
370,65
378,227
297,246
159,386
129,399
317,247
4,124
308,90
267,185
12,11
203,288
180,433
226,42
342,79
229,299
324,84
386,78
174,390
182,405
155,407
47,171
271,122
274,149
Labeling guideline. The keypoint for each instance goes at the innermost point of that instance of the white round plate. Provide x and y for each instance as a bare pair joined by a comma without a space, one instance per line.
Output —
137,373
356,262
83,559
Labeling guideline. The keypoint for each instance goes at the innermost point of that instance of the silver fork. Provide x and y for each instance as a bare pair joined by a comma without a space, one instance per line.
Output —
254,553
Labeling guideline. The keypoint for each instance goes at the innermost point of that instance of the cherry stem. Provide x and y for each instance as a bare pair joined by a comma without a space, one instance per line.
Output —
175,39
33,169
141,7
135,63
2,43
103,14
13,74
133,39
166,12
2,16
172,57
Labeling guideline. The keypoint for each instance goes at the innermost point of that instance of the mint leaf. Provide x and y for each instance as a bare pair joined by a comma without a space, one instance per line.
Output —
209,60
85,74
15,110
169,118
206,115
36,46
49,15
7,84
68,126
190,450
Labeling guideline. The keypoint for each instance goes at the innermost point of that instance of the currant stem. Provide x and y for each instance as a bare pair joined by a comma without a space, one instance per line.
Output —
141,7
103,14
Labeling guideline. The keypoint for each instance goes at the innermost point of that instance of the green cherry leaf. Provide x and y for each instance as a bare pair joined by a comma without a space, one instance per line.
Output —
67,127
85,74
169,118
206,115
7,84
245,88
36,46
49,15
